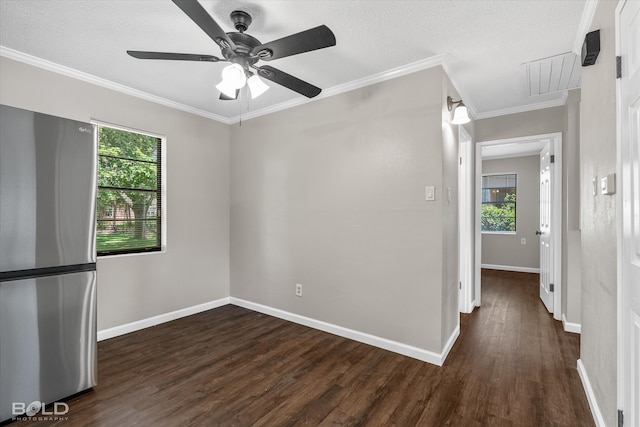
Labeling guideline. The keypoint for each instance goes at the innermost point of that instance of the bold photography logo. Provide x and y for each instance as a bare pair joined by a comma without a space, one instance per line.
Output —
38,409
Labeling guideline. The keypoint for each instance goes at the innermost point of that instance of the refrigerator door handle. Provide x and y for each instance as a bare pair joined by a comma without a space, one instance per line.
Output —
34,273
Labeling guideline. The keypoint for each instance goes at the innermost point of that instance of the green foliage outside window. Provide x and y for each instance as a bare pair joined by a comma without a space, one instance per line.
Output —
128,205
500,216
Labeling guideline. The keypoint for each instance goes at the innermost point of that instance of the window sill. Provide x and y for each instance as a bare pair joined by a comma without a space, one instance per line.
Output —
501,232
128,254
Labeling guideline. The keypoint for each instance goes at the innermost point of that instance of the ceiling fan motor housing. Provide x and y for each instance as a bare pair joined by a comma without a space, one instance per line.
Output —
244,44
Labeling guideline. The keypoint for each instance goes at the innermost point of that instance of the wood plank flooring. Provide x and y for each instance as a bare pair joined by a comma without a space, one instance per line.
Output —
512,365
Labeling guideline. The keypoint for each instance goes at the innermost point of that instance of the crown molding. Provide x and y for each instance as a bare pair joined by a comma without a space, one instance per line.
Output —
424,64
393,73
524,108
98,81
434,61
585,23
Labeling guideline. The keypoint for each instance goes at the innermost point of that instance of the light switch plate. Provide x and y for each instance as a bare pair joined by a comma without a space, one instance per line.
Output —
430,193
608,184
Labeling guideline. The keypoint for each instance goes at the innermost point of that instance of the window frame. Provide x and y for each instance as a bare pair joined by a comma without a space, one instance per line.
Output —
160,192
515,219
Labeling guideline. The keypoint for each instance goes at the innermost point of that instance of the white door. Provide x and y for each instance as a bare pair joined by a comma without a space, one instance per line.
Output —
629,117
544,231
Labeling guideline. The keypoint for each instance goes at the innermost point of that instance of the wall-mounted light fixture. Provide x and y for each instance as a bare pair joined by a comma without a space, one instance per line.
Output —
460,115
234,77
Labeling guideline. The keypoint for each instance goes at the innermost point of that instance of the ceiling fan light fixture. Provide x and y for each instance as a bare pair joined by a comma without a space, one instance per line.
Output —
460,114
234,76
227,89
256,86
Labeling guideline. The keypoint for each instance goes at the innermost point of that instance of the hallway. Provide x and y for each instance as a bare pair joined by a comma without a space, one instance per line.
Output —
519,364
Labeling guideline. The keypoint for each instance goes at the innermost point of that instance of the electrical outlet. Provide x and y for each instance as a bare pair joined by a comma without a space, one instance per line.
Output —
298,290
523,240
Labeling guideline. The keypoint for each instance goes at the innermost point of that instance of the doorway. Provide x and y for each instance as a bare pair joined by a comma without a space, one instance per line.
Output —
523,146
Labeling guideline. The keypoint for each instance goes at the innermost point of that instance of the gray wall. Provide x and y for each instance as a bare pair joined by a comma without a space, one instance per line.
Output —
598,344
506,249
450,219
331,195
195,267
535,122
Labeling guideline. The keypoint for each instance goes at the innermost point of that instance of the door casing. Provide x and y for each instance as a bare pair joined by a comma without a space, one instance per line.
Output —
466,224
556,213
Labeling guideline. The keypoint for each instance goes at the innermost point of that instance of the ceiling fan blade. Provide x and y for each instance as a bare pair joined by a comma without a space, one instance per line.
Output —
315,38
199,15
172,56
288,81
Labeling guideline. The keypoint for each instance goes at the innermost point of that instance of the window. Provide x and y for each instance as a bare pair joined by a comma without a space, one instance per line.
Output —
499,203
129,192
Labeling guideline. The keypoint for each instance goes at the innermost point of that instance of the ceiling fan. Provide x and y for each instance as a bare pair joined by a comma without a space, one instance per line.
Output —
244,51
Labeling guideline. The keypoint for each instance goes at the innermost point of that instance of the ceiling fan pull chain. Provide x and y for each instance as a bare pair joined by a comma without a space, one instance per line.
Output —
241,95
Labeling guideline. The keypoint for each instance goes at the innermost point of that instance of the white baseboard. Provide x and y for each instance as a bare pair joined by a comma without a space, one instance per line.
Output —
511,268
591,397
449,345
576,328
161,318
394,346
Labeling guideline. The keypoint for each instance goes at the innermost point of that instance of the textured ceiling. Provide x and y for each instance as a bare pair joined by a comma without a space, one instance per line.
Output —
484,44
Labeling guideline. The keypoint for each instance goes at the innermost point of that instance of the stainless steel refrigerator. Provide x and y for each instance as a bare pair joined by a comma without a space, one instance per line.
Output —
47,259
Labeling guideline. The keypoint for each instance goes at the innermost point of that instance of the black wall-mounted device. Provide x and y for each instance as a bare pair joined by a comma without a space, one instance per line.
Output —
590,48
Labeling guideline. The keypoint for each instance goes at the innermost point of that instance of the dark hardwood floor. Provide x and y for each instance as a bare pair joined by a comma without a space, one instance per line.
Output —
512,365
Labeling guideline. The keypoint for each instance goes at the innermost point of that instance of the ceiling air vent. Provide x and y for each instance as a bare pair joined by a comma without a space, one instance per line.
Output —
553,74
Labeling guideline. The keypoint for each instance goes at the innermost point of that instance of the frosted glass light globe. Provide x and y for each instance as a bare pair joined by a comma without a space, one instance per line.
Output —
234,76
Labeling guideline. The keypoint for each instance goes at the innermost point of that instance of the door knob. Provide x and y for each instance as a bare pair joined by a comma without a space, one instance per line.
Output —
538,233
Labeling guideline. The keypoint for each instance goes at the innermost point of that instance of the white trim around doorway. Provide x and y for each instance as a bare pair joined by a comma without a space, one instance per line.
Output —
556,141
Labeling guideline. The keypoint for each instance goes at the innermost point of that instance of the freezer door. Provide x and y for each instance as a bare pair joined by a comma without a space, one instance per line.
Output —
47,339
47,190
